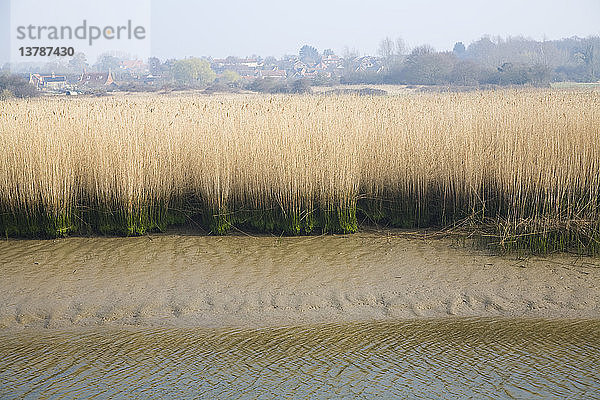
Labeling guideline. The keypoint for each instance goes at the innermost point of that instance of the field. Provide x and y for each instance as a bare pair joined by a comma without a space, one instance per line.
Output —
517,168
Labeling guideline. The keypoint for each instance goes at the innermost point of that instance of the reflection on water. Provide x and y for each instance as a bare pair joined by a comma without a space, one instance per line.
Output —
487,358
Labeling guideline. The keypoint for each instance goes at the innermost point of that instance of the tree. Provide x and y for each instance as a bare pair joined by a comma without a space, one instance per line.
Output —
154,66
466,73
309,55
107,63
193,71
348,57
386,48
185,71
328,52
540,74
485,52
586,56
78,63
426,67
421,51
14,85
230,77
301,86
400,46
459,49
55,65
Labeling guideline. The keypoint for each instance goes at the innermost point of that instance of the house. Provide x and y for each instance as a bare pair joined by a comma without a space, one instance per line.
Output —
133,65
320,66
251,62
247,68
311,73
96,79
274,73
367,64
287,62
48,82
150,79
299,69
332,61
243,71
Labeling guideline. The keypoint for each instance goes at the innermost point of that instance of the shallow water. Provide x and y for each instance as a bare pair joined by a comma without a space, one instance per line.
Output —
447,358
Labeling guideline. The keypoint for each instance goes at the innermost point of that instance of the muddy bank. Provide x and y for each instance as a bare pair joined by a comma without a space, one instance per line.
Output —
180,280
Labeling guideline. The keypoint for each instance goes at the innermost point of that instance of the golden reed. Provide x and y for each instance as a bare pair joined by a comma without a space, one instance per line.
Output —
519,166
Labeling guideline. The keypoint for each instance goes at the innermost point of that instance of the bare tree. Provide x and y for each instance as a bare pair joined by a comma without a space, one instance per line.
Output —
401,47
349,53
386,48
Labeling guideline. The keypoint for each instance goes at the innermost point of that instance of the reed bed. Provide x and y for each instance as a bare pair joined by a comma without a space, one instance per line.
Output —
520,168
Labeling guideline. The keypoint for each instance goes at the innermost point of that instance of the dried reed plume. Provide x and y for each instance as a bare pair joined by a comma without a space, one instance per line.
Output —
519,166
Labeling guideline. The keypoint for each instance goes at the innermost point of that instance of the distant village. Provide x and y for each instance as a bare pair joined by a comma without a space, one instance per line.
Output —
485,62
230,72
327,66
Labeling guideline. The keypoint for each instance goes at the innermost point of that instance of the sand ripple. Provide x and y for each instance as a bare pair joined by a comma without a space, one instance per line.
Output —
179,280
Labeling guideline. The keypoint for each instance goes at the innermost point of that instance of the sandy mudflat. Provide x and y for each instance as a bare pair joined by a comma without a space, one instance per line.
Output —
182,280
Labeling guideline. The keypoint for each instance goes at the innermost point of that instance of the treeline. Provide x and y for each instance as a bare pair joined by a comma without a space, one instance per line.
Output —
496,61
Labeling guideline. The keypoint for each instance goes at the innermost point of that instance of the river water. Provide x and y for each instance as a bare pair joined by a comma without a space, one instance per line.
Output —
438,358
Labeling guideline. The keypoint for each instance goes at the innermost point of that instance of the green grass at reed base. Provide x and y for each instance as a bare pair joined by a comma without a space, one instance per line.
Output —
488,226
89,220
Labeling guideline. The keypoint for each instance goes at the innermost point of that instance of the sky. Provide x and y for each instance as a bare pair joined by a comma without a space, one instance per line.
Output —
181,28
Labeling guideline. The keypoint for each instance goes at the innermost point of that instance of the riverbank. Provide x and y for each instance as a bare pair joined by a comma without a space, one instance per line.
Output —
184,280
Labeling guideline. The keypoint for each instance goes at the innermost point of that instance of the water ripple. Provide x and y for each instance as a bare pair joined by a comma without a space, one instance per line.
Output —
460,358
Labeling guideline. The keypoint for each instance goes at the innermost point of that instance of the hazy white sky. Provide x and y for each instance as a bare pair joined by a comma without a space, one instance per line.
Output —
268,27
240,27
